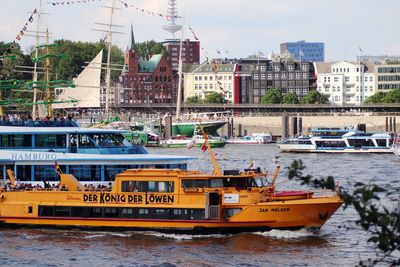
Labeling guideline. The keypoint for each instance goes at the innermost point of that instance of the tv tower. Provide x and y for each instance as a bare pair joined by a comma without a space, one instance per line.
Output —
172,12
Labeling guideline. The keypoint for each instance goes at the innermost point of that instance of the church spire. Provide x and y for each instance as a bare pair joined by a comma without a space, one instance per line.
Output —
132,45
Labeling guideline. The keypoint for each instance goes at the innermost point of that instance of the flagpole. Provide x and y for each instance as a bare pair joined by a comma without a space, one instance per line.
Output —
35,73
179,96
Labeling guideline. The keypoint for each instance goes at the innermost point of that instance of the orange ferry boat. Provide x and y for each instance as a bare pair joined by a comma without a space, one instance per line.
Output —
170,200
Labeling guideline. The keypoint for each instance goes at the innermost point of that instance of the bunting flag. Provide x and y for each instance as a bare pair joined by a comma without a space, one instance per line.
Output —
25,27
72,2
148,12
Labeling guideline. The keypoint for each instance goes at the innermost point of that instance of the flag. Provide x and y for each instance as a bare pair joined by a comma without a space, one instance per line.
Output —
30,19
218,52
359,48
57,168
251,164
204,147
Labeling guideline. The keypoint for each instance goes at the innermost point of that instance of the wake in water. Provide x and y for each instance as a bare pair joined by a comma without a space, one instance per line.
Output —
289,234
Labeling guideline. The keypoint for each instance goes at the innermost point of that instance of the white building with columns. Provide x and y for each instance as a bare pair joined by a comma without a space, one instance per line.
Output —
346,82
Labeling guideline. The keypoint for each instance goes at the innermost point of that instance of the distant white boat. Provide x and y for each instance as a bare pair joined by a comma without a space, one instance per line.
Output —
338,141
256,138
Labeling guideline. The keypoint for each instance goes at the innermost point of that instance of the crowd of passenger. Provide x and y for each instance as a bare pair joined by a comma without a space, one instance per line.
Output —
47,186
27,120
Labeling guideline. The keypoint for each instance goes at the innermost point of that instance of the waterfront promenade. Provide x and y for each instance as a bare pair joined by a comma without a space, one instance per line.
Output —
273,124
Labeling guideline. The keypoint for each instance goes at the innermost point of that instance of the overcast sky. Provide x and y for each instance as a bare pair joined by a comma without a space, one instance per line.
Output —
241,27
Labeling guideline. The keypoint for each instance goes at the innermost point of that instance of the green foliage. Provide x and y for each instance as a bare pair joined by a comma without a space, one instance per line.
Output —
193,99
78,53
380,223
147,49
315,97
290,98
376,98
273,96
214,97
392,96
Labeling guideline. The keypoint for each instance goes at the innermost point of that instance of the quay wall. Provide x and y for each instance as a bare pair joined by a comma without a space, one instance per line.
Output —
275,124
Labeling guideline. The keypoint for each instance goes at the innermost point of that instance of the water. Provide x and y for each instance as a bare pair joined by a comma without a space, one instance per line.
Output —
339,242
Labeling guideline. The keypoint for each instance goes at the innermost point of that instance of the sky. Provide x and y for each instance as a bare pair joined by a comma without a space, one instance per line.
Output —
237,28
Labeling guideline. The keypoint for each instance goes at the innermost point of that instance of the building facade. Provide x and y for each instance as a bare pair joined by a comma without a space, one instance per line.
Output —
387,75
257,76
190,52
305,51
146,81
346,82
202,80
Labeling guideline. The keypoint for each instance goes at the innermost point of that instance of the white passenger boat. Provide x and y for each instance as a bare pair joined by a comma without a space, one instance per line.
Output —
333,140
90,154
255,138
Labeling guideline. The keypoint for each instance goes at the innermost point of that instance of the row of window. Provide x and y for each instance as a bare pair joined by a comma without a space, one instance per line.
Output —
282,75
389,70
279,67
116,212
94,173
211,78
394,78
211,86
388,86
148,186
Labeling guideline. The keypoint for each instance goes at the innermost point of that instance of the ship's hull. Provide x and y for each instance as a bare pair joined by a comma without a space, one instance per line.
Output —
188,128
313,149
264,216
189,143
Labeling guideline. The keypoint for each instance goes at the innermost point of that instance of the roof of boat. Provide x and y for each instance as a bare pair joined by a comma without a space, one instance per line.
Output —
48,158
55,130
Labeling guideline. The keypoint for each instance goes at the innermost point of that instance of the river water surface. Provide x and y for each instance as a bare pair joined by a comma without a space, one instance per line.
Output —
339,242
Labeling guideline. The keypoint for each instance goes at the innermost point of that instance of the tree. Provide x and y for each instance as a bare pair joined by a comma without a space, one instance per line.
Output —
193,99
376,98
290,98
78,53
392,96
214,97
315,97
147,49
381,223
273,96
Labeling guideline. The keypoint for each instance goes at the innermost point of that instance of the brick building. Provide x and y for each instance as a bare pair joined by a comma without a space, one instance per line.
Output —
146,81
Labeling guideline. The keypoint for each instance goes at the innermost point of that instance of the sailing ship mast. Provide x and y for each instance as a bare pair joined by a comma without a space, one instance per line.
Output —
109,32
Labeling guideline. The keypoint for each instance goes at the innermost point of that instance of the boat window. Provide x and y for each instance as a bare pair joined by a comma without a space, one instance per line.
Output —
216,183
260,182
62,211
110,212
95,212
85,172
120,212
45,211
109,140
147,186
128,213
195,183
381,142
50,140
86,140
229,212
15,140
45,172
